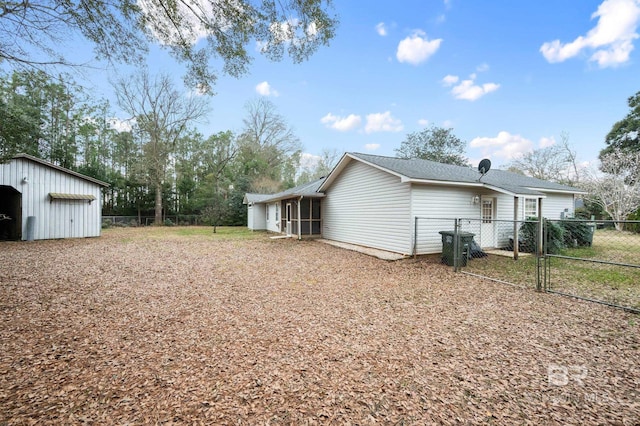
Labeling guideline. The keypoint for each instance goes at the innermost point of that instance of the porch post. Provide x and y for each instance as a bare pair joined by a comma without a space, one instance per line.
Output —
299,222
516,211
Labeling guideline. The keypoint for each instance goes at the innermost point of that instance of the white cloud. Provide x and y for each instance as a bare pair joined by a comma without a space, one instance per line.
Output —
611,38
546,142
504,146
450,80
467,89
417,48
482,67
372,146
121,125
447,124
423,122
265,89
381,29
342,124
309,161
192,29
382,122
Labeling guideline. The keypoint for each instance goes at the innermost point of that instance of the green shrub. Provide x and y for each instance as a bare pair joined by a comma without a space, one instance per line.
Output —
576,233
106,224
168,222
552,233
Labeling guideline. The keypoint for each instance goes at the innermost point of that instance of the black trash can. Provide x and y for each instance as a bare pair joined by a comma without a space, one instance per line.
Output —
463,247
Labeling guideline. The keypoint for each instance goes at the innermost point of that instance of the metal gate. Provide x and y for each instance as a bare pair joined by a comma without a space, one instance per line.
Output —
598,261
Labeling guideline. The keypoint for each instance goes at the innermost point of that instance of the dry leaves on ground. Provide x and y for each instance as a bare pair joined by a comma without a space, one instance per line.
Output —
131,328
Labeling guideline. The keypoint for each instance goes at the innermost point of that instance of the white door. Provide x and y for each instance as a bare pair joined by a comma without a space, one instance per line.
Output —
488,224
288,218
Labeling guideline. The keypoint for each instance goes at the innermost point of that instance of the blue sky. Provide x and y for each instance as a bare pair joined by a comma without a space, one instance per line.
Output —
507,76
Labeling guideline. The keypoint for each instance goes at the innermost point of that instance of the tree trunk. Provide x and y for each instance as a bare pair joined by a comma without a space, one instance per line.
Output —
158,211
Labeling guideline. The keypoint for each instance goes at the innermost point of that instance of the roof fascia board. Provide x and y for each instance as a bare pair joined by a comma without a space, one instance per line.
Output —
59,168
559,191
442,182
515,194
346,159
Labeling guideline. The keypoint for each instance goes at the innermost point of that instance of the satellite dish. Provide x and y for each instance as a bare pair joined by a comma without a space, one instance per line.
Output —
484,166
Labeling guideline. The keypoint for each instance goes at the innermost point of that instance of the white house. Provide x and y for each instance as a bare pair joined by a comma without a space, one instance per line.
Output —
39,200
374,201
295,211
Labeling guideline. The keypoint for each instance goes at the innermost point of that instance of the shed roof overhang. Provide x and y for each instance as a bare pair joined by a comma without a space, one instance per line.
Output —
71,197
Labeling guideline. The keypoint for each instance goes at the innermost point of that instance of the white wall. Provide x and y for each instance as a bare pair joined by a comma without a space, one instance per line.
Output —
555,204
368,207
256,217
60,218
437,207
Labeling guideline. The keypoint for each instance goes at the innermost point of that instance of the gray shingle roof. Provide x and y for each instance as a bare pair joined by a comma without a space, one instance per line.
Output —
305,190
432,171
250,197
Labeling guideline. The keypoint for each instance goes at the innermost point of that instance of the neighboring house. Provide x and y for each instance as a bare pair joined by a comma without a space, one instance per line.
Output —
39,200
373,201
295,211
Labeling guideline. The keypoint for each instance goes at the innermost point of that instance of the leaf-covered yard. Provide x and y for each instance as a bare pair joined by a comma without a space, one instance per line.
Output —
173,326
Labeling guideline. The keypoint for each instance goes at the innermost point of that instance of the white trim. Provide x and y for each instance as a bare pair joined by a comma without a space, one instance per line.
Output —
405,179
559,191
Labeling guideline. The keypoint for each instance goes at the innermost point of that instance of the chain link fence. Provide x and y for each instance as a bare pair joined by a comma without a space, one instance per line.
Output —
501,250
132,221
594,260
597,261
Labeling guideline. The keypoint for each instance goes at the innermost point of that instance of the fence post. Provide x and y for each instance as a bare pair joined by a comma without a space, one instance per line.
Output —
456,242
539,252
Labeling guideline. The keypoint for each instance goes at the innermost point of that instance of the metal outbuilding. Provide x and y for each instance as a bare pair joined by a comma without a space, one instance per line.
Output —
39,200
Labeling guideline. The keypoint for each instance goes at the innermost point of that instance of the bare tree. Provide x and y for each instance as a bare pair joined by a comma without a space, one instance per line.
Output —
267,142
556,163
617,188
320,166
162,115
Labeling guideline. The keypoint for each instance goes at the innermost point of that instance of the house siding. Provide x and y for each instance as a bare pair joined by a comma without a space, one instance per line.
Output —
256,220
437,207
555,205
369,207
60,218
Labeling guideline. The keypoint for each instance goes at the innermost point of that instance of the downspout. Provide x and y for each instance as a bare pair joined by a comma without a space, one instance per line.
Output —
299,221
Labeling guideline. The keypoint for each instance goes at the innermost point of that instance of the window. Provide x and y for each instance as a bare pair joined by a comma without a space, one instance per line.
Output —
530,207
266,206
487,211
277,212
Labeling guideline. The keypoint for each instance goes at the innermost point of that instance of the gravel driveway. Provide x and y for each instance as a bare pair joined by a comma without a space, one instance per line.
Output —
151,326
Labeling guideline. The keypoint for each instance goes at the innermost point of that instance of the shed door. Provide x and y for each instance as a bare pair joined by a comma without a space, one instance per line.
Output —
487,227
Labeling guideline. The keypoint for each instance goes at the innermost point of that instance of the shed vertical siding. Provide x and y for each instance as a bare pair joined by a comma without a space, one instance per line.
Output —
60,218
368,207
